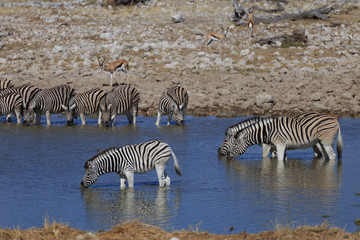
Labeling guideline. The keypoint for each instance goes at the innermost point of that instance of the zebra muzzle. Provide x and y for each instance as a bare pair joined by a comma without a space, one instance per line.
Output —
82,184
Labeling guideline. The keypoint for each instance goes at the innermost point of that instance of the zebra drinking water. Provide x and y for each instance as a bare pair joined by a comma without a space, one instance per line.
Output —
290,133
173,103
11,103
47,101
130,159
124,99
83,104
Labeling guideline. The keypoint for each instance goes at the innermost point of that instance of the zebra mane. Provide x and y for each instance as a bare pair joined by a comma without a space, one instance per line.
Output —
259,122
100,152
232,130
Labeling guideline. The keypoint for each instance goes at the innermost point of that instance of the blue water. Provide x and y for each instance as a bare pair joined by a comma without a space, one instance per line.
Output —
41,168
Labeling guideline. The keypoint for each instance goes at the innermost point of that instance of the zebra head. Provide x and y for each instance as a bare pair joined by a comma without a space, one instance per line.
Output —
29,116
106,112
239,145
69,114
178,114
226,145
90,176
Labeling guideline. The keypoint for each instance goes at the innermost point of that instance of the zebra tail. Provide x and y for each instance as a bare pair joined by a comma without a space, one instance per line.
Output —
177,166
339,145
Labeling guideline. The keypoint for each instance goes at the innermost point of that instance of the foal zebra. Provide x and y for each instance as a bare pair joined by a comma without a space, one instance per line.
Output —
173,103
124,99
130,159
83,104
11,103
290,133
47,101
5,83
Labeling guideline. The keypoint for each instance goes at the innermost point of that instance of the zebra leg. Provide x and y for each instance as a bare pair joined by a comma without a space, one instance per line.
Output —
281,151
135,110
129,116
330,152
48,118
112,120
266,150
8,117
99,118
38,118
160,170
130,178
122,181
317,150
165,179
82,116
158,119
169,119
18,117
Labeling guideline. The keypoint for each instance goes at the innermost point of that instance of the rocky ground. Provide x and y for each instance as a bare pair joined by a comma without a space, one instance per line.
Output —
48,43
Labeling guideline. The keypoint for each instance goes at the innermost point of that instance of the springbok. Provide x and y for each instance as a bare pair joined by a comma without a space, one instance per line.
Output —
250,23
213,36
115,66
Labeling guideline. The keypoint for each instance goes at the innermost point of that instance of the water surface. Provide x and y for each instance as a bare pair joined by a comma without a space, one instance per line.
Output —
41,168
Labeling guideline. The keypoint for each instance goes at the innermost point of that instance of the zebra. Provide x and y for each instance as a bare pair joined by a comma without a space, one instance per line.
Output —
232,130
130,159
173,103
83,104
47,101
124,99
290,133
26,91
5,83
11,103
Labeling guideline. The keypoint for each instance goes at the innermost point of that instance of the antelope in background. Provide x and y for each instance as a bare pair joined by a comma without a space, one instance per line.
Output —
213,36
250,23
115,66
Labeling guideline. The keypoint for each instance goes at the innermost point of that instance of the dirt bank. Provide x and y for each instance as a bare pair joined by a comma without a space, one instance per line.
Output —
57,42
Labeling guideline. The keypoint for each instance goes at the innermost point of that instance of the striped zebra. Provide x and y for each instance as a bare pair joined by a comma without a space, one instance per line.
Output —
290,133
5,83
122,100
130,159
173,103
26,91
48,101
11,103
232,130
83,104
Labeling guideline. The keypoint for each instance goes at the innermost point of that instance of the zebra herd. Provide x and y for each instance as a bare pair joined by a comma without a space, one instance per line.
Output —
32,102
274,134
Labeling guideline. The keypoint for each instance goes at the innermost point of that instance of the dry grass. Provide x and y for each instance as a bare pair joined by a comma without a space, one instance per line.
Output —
137,230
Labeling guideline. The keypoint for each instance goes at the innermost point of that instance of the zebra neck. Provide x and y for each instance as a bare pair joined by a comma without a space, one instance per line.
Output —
109,161
258,134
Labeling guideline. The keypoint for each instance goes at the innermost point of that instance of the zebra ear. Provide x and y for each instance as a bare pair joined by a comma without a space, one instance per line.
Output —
102,107
64,107
109,106
73,106
181,106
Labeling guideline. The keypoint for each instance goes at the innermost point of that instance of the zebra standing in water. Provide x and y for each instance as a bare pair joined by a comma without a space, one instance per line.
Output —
47,101
5,83
26,91
83,104
124,99
232,130
11,103
290,133
130,159
173,103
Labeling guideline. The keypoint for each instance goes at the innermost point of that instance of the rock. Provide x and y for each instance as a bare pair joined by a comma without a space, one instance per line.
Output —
178,18
264,101
57,49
